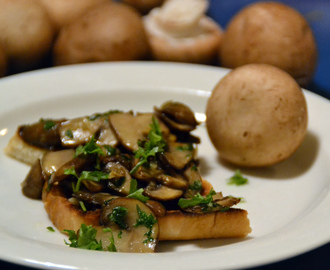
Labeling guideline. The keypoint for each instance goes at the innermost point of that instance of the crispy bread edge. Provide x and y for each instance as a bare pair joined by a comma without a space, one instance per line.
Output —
175,225
22,151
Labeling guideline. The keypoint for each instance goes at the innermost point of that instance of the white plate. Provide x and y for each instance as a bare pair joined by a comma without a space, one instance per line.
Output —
288,204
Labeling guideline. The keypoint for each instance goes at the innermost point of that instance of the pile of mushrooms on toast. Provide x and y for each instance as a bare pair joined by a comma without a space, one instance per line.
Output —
124,168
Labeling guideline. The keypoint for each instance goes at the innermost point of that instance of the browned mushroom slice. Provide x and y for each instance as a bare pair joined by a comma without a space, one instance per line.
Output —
162,193
80,130
131,128
43,134
156,207
227,201
34,182
218,204
78,163
173,181
146,173
94,198
124,216
194,180
178,155
53,160
177,116
119,176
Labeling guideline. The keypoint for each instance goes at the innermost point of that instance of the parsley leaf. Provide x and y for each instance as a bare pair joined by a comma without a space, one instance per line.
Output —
198,199
146,220
237,179
89,148
111,247
136,193
155,144
197,185
95,176
118,216
85,239
51,229
48,124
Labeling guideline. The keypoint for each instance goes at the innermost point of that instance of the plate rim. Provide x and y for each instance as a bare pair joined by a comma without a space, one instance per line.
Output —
140,65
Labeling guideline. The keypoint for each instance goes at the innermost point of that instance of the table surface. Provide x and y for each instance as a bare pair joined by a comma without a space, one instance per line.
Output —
317,12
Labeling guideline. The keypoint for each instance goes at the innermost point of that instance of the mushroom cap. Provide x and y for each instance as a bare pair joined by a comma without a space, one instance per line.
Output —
62,12
256,116
271,33
27,33
188,36
108,32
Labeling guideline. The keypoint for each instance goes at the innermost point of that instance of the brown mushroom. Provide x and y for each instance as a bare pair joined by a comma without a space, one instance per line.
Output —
34,182
162,193
100,198
42,134
177,116
178,155
119,176
123,216
131,128
80,130
53,160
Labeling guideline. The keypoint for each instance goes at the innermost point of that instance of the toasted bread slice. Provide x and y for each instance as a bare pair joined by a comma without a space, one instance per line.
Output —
20,150
175,225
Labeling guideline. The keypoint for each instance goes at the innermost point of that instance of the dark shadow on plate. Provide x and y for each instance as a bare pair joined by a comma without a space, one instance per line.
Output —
170,246
299,163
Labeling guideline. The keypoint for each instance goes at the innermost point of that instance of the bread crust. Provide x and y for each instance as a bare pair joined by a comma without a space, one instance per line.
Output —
22,151
175,225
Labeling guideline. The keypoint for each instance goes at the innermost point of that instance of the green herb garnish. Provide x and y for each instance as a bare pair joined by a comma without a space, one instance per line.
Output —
155,145
145,220
51,229
188,147
237,179
198,199
118,216
112,246
85,238
136,193
89,148
48,124
95,176
98,115
197,185
111,151
69,133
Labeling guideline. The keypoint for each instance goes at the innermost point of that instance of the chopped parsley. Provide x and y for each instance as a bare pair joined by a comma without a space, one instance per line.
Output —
188,147
89,148
111,151
118,216
98,115
237,179
85,239
198,199
51,229
197,185
145,220
48,124
112,246
154,145
95,176
136,193
69,133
